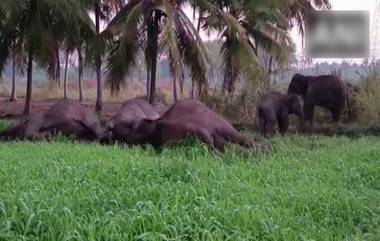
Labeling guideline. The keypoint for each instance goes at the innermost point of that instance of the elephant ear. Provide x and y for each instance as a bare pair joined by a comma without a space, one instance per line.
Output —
298,85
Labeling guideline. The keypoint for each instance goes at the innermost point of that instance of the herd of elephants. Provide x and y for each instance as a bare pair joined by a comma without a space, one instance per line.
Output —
137,122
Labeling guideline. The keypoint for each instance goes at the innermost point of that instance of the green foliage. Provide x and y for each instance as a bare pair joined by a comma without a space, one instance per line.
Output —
4,124
173,35
368,104
241,106
308,188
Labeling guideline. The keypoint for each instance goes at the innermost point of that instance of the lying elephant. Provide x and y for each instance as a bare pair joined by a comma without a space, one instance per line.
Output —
131,112
67,118
184,119
326,91
275,108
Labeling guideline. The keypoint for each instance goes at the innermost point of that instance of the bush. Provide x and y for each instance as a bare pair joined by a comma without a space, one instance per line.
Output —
368,103
240,107
4,124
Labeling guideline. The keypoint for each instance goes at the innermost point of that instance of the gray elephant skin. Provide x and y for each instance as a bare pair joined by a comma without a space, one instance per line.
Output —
326,91
188,118
64,117
276,107
120,126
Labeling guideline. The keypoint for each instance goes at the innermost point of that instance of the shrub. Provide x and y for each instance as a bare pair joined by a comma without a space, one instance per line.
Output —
241,106
368,103
4,124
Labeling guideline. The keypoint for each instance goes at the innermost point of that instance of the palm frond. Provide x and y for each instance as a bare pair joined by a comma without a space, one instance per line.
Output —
275,41
122,15
193,53
233,27
125,51
171,41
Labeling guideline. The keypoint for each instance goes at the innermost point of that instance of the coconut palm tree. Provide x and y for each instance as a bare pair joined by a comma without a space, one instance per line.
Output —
7,21
265,27
97,47
75,41
295,11
13,96
267,24
36,25
162,27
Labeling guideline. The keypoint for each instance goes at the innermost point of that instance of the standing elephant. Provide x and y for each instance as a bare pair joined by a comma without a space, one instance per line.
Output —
326,91
275,108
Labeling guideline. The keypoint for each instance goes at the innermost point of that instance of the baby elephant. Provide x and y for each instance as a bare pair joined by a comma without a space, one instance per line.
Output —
276,107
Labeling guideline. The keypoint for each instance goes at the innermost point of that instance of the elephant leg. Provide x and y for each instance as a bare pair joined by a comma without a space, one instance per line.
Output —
308,110
270,128
336,114
283,123
262,126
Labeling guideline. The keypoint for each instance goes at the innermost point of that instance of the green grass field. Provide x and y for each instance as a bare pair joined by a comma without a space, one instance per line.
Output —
307,188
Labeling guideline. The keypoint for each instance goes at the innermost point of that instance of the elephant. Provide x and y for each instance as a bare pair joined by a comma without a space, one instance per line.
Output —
120,125
326,91
64,117
188,118
275,107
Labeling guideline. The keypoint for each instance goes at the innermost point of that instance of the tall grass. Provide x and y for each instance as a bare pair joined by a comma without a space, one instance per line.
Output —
308,188
368,103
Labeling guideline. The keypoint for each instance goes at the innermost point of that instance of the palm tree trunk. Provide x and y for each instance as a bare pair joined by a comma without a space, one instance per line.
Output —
58,67
65,76
154,58
192,89
269,70
148,83
80,74
13,96
175,96
192,80
28,97
98,65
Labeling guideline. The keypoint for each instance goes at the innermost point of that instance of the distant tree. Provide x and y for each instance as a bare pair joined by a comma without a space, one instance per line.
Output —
262,25
153,26
266,24
75,41
13,96
97,47
36,24
10,44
